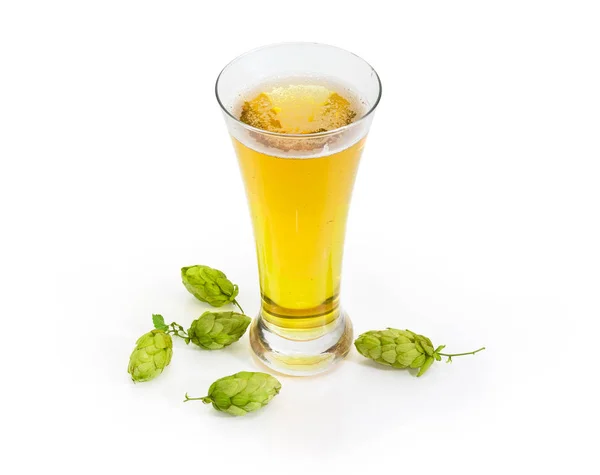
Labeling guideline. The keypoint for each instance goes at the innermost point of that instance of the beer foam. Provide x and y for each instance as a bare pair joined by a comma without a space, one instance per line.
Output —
301,116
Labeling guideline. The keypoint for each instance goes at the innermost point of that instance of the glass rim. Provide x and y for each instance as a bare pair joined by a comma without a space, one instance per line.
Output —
315,134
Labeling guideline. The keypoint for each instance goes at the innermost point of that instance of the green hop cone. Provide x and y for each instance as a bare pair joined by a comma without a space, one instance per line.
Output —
209,285
402,349
216,330
152,354
240,393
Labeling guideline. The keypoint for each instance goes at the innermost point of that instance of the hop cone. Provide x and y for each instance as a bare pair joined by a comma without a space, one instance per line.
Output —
151,355
209,285
241,393
216,330
398,348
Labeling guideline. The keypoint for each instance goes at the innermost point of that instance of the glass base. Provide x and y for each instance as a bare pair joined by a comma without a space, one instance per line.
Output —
293,352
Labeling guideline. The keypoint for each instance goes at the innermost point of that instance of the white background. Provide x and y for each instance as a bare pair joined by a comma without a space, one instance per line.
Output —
475,221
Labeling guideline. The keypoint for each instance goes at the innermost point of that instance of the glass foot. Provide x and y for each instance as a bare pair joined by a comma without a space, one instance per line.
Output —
291,352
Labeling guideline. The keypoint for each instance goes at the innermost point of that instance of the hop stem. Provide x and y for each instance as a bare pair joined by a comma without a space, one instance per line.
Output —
205,399
176,329
239,306
460,354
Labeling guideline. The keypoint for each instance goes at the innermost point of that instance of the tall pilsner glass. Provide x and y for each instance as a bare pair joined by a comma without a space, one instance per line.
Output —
299,183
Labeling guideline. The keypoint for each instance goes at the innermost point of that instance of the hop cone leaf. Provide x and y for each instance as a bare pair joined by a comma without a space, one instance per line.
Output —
209,285
241,393
216,330
151,355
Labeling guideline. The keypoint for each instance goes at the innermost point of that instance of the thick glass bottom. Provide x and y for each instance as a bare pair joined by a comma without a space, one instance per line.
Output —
300,352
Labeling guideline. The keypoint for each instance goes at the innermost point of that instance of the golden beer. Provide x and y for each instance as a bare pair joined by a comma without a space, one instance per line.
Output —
299,206
298,114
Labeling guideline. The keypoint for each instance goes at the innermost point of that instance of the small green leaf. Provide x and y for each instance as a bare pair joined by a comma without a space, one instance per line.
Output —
159,322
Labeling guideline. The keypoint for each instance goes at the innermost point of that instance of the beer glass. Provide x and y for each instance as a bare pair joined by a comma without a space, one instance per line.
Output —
299,183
